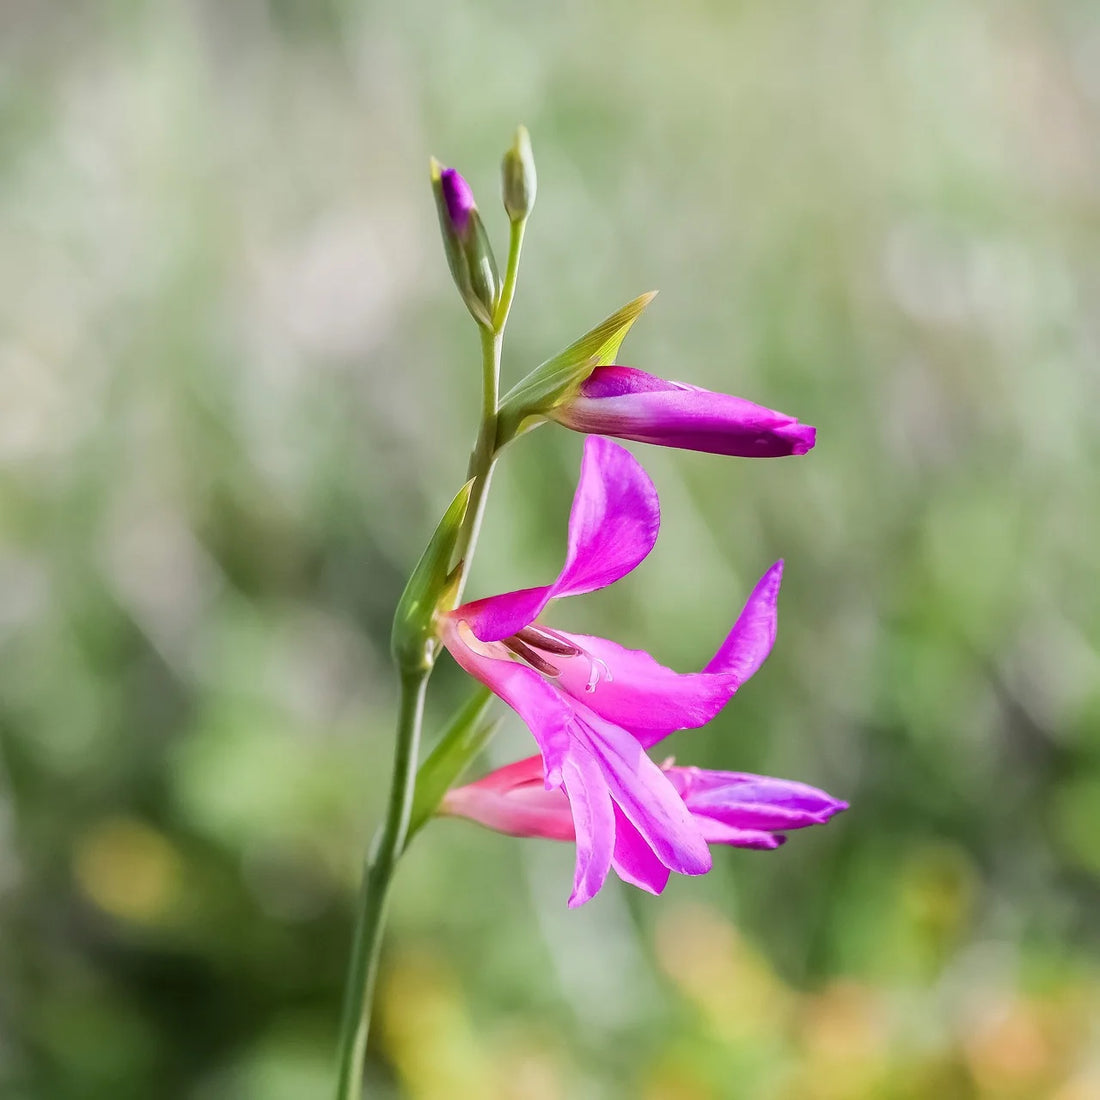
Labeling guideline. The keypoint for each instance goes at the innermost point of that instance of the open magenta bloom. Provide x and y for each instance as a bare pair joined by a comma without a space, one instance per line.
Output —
631,404
593,706
735,808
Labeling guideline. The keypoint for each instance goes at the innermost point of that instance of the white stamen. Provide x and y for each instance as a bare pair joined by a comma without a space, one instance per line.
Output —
594,673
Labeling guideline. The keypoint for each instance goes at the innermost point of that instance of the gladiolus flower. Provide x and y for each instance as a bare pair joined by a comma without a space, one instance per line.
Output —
630,404
593,706
733,808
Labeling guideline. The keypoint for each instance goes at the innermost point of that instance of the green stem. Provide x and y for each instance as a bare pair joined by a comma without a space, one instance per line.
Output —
508,292
374,894
480,468
390,842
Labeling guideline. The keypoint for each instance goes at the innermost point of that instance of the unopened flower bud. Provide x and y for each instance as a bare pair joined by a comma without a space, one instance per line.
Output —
518,179
459,199
469,254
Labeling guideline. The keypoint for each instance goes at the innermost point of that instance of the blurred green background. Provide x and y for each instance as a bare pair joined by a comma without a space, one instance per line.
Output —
237,389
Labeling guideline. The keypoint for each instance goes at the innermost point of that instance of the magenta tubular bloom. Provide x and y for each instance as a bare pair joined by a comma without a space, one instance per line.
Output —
593,706
631,404
735,808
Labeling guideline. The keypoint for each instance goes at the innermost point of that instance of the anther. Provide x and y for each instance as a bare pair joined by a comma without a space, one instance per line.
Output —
547,641
540,664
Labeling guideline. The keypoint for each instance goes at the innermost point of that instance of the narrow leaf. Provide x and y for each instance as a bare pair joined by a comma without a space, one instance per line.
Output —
467,734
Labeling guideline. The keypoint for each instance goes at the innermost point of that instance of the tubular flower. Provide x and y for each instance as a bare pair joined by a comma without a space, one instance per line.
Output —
631,404
593,706
733,808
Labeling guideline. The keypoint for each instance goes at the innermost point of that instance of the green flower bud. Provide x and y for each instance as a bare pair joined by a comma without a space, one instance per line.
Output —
466,243
518,179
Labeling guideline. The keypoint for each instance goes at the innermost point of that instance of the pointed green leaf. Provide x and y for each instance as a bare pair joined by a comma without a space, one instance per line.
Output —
413,639
559,378
465,737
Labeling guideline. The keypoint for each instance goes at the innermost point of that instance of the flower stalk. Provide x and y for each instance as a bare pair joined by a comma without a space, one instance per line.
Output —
373,897
390,842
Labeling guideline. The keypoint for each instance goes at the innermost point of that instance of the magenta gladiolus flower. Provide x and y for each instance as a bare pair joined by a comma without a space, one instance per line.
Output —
593,706
728,808
631,404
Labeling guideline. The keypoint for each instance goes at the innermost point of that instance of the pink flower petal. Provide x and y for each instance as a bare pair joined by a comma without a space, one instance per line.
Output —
717,833
594,821
753,801
634,861
497,617
545,711
753,635
513,800
513,777
614,521
612,527
644,794
634,691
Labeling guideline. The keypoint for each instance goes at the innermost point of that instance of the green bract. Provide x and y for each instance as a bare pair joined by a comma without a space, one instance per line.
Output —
558,379
413,639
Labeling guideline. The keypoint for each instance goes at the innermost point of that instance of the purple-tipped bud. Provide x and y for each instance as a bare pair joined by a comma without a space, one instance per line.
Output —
458,197
466,243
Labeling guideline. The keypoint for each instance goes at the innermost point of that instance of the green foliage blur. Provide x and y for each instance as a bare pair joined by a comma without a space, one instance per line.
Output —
237,390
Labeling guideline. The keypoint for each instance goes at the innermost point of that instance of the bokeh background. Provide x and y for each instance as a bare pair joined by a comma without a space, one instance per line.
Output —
237,389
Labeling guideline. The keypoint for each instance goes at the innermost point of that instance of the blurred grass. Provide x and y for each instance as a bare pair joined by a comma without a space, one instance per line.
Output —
236,390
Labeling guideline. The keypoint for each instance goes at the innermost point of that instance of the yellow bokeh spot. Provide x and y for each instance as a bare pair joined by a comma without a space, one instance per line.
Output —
422,1009
726,977
1009,1048
127,869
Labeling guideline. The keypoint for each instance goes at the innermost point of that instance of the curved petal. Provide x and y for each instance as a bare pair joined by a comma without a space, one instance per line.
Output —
634,861
546,714
593,820
632,404
629,688
613,525
495,618
614,520
644,794
753,635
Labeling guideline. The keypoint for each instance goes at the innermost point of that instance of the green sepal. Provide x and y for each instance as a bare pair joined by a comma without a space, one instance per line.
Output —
558,379
467,734
413,641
